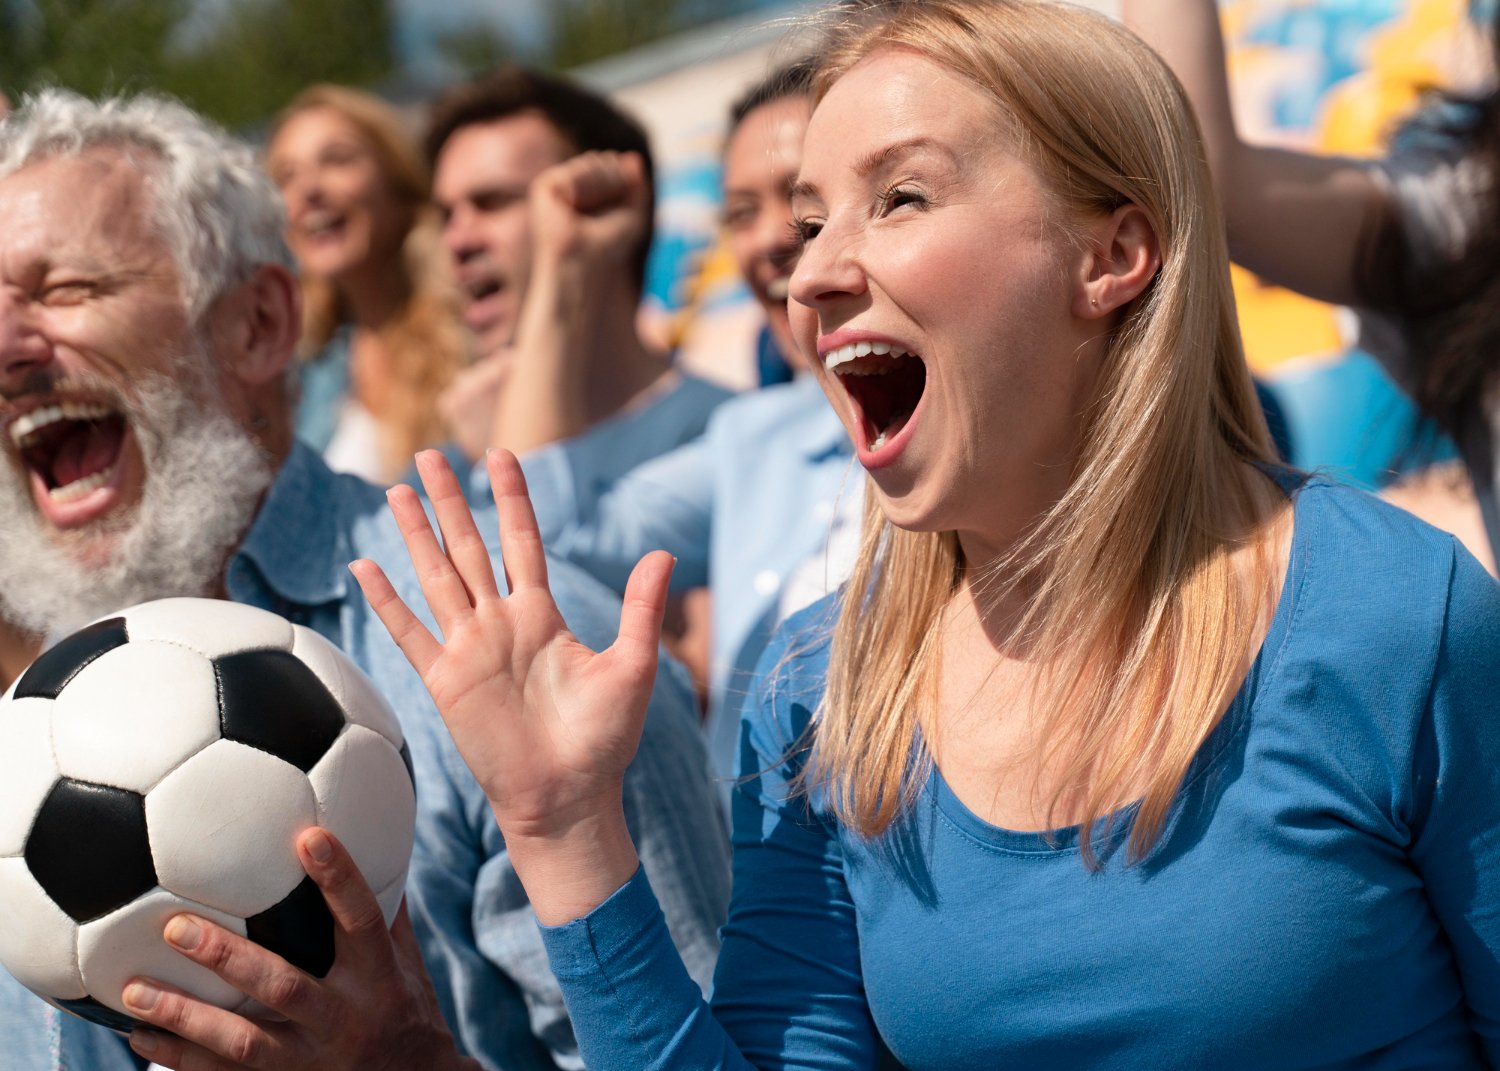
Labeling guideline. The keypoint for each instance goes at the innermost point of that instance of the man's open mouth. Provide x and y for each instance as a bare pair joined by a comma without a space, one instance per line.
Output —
478,291
884,381
72,447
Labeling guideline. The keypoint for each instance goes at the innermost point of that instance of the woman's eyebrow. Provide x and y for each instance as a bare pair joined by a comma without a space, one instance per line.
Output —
883,157
801,190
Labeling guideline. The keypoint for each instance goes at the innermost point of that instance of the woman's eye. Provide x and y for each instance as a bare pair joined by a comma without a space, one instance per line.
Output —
804,230
340,155
902,196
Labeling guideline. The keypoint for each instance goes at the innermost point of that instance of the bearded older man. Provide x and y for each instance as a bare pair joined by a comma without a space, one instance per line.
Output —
147,317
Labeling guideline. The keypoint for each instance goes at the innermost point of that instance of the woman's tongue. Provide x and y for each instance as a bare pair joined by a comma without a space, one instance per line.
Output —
887,399
889,431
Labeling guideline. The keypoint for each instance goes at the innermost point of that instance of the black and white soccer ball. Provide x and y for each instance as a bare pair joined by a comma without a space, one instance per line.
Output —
165,759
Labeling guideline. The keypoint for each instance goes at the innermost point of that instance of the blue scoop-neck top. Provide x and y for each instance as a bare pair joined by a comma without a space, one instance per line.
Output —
1326,894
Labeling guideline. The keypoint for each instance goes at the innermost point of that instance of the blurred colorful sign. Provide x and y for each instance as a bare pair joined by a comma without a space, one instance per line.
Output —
1333,76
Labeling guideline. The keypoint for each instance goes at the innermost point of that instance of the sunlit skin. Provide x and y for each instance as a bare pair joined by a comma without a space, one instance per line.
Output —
89,300
345,223
925,231
760,164
480,184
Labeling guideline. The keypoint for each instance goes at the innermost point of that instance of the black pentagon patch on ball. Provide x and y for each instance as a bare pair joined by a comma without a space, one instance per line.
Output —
406,761
299,929
90,1009
60,663
88,848
270,700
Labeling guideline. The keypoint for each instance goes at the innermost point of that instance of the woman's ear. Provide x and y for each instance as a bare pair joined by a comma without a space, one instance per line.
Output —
256,325
1122,258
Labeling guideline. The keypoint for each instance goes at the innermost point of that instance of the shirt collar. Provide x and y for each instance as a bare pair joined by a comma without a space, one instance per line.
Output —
296,543
820,434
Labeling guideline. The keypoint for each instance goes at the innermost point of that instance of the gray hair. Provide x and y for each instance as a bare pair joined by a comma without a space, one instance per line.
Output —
217,211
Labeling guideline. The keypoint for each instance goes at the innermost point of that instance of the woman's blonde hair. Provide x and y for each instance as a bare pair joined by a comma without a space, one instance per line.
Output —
425,342
1136,606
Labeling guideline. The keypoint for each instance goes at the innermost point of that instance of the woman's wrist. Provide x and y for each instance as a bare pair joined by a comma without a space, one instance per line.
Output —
570,870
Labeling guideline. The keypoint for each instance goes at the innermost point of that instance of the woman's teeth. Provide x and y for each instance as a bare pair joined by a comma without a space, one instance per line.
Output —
316,223
855,350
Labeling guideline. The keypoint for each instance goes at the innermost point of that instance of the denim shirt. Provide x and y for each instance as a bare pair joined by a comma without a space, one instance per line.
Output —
479,937
322,384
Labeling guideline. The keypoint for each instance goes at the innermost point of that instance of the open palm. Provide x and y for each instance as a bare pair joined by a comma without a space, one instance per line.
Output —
547,725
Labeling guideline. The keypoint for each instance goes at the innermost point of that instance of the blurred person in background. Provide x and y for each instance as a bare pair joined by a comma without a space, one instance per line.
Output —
546,194
381,338
546,198
761,151
1411,241
761,508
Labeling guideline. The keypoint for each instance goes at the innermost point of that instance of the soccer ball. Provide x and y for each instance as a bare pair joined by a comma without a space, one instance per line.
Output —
164,759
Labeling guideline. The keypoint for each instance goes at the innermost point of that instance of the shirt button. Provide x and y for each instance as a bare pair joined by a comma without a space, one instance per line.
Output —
767,582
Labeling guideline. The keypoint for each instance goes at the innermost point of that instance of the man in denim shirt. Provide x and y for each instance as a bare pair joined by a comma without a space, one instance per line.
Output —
147,314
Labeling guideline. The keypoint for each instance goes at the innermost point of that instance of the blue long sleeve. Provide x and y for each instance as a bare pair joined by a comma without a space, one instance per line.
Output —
787,990
1456,823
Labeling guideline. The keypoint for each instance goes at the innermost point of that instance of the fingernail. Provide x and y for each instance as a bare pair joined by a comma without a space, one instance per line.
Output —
319,846
184,933
145,1042
141,996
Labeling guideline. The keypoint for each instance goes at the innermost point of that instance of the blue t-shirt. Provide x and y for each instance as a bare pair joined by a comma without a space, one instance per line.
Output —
1326,893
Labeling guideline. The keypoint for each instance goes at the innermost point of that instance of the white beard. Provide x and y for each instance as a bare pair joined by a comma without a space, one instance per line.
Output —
204,476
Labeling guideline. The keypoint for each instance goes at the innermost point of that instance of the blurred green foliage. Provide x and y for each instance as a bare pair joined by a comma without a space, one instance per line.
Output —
265,51
90,45
244,65
240,61
586,30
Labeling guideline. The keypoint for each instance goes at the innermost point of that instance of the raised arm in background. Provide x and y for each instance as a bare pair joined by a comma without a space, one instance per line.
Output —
578,356
1296,219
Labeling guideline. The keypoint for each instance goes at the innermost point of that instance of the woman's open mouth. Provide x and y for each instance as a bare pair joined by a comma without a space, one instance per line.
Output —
885,382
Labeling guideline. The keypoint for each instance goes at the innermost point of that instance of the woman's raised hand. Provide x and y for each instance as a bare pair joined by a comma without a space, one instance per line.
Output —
547,725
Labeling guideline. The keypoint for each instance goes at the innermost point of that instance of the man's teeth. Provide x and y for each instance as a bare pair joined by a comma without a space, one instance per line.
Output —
480,288
24,428
78,488
854,350
778,288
